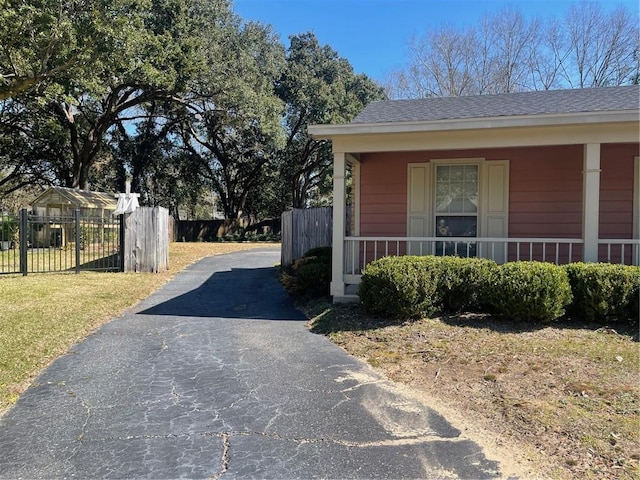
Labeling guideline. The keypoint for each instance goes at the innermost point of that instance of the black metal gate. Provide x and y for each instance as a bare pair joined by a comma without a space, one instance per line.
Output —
39,244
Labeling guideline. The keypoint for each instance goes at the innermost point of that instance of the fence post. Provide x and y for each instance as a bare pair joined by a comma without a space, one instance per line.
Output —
77,222
121,239
23,241
146,243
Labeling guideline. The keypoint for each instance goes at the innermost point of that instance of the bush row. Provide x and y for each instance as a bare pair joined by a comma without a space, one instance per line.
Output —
250,237
409,287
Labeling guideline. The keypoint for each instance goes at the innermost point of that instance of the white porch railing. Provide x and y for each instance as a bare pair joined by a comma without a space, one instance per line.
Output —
626,251
361,250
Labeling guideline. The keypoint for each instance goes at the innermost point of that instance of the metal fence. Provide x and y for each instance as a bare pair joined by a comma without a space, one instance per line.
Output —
39,244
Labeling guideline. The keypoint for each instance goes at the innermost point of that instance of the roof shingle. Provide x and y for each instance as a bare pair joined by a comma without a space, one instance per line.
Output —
547,102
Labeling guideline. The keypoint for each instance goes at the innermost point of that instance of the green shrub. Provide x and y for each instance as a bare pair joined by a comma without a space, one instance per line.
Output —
465,282
323,253
313,279
603,292
310,275
530,290
8,229
401,287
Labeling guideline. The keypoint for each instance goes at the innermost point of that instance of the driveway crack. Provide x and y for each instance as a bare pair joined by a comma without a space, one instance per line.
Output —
225,456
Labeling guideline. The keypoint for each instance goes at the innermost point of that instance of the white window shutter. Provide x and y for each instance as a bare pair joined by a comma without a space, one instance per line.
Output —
418,203
495,218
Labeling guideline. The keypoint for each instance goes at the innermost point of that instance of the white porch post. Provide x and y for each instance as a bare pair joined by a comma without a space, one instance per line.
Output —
591,201
337,264
355,194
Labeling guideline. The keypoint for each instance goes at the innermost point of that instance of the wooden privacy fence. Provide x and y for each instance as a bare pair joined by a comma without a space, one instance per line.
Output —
303,229
146,240
213,230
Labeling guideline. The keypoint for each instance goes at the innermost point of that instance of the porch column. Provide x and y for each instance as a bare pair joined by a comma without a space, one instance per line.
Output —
591,201
355,195
337,263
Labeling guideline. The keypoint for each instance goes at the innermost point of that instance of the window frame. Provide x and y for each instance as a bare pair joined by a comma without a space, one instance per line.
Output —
434,214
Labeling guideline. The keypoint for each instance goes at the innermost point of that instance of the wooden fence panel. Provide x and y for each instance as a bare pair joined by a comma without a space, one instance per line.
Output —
286,229
303,229
146,240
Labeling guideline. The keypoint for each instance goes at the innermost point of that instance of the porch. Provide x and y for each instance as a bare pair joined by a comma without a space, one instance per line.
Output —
551,176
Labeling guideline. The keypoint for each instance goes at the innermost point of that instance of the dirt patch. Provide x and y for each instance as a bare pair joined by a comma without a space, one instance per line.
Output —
562,399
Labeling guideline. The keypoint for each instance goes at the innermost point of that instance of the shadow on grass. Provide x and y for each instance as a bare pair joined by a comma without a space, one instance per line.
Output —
109,263
327,318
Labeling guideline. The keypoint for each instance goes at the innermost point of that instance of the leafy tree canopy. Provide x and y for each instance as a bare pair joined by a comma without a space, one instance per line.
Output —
317,86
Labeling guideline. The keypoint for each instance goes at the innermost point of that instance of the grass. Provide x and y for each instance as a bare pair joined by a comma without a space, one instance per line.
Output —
42,315
58,260
567,392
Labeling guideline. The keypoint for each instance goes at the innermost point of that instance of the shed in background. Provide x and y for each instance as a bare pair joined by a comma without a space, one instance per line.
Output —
57,204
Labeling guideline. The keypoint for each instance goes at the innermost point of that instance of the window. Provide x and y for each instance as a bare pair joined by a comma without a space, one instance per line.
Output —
456,207
462,197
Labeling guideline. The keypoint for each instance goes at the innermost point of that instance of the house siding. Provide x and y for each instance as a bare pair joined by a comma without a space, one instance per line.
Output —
541,204
545,189
383,193
545,192
616,190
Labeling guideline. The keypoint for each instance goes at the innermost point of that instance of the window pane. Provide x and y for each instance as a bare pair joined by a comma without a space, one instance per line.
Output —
442,174
451,226
442,204
471,173
456,173
456,189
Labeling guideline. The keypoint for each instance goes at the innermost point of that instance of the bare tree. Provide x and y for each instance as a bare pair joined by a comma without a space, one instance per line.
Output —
507,52
548,59
491,58
603,46
511,38
446,58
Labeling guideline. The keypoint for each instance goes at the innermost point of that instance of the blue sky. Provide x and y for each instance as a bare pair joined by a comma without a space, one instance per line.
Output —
373,34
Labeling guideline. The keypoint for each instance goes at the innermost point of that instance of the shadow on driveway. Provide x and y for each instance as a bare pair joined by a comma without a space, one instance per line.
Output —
246,293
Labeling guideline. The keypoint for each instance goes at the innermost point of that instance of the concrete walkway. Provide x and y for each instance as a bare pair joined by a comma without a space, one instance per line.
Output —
216,376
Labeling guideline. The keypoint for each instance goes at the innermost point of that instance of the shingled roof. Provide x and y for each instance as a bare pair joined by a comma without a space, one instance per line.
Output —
548,102
78,198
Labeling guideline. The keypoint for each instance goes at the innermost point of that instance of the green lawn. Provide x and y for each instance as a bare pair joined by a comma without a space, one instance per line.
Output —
57,259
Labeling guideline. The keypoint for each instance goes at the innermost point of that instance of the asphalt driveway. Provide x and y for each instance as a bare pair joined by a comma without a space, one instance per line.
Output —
216,376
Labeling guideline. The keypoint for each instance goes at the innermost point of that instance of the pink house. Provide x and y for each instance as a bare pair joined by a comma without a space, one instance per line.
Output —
551,176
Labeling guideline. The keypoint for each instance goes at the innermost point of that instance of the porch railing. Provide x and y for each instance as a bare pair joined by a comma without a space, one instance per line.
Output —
625,251
361,250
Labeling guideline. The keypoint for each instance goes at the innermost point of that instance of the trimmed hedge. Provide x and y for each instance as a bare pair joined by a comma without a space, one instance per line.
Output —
604,292
465,282
322,253
401,287
530,290
313,278
410,287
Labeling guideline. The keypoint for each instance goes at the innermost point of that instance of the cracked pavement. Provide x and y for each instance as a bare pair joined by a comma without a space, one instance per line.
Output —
216,376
